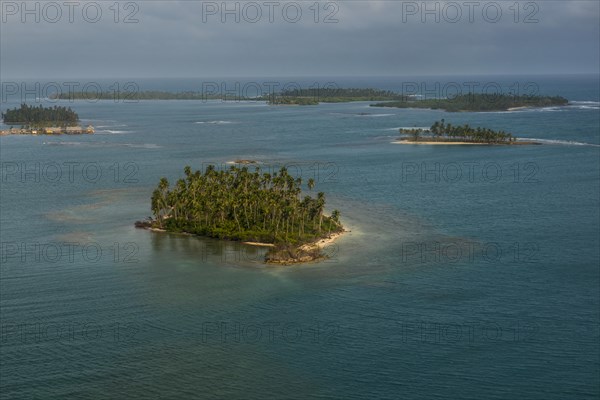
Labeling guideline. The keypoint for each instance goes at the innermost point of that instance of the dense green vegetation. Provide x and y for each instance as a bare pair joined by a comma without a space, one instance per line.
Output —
331,95
238,204
145,95
292,101
478,102
441,130
292,96
40,117
466,102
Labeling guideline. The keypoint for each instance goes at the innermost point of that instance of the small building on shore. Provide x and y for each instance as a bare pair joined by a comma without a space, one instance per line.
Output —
50,130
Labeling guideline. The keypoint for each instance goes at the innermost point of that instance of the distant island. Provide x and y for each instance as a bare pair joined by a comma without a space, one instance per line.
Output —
331,95
307,97
248,206
43,120
478,102
446,133
286,97
144,95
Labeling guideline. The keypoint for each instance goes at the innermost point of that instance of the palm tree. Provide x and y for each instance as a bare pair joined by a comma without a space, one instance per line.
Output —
160,200
335,216
320,206
435,128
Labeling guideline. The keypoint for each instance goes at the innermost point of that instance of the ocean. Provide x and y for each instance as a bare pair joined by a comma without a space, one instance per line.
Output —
469,272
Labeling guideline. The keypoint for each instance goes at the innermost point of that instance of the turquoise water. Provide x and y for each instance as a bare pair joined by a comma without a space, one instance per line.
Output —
469,272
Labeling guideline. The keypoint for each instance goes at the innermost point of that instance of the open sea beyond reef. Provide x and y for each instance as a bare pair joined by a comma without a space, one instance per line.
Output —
470,272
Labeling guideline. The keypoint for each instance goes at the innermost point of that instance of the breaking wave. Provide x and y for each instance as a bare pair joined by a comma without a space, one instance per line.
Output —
558,142
215,122
111,132
407,127
105,144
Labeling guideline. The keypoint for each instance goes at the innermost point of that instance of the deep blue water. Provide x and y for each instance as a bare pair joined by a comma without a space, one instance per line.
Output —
470,271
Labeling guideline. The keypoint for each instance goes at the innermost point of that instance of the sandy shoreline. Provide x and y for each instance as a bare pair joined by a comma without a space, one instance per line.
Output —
439,143
259,244
318,244
465,143
323,242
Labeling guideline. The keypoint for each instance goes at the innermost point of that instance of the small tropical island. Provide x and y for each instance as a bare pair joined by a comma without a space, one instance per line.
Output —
446,133
43,120
139,95
252,207
478,102
304,97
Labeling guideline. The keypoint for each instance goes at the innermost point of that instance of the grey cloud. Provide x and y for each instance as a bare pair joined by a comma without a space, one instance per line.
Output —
371,38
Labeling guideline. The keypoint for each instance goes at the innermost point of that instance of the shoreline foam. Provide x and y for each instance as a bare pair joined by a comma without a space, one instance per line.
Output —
437,143
323,242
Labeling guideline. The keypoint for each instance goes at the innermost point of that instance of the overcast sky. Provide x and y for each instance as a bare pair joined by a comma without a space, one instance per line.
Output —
190,39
